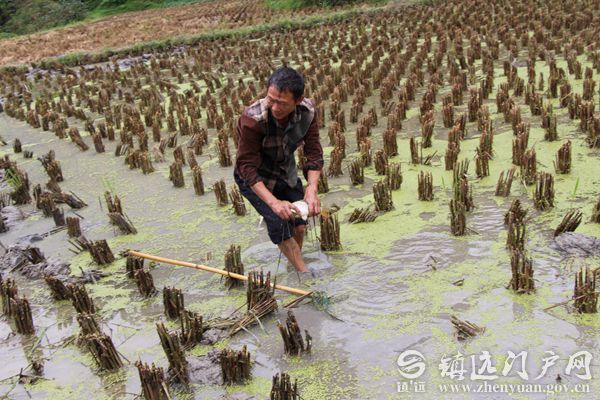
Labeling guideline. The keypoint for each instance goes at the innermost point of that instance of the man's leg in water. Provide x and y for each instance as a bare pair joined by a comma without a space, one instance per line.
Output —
282,233
291,250
299,234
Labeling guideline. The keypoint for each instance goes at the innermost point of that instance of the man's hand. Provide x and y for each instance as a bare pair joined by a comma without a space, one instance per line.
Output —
312,199
284,209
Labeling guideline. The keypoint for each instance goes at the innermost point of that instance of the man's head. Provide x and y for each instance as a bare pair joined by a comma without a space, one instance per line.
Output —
285,91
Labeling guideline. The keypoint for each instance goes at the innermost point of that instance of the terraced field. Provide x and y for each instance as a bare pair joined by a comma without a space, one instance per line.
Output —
461,145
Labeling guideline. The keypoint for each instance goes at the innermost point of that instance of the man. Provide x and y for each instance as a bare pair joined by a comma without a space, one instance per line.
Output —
269,131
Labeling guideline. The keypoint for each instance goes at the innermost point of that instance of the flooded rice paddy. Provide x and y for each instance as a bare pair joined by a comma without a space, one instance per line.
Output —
394,286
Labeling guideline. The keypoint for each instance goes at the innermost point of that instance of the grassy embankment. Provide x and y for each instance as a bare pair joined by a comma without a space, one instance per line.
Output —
81,58
29,16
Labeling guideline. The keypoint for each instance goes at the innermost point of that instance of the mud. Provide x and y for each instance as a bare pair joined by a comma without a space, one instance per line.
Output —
21,258
12,216
577,244
393,287
206,370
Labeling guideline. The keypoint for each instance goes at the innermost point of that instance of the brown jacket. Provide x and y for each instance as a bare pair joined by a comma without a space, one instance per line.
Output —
266,150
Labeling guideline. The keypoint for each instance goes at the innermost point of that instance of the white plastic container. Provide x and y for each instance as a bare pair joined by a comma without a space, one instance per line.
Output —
303,207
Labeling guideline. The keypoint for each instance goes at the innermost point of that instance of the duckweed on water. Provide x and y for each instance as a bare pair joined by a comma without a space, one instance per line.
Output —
257,386
430,293
201,350
398,302
217,306
51,390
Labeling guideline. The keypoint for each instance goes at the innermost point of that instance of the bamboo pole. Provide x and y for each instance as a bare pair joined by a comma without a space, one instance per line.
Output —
288,289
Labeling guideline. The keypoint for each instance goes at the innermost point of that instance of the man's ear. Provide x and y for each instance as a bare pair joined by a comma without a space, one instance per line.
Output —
299,100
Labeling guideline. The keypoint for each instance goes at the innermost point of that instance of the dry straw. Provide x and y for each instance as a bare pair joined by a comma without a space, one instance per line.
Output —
569,223
543,197
393,176
465,329
173,302
381,162
192,328
330,232
584,294
425,188
145,283
522,272
80,299
57,287
197,180
357,172
283,389
153,382
133,264
383,196
235,366
529,167
237,200
596,212
220,193
362,215
505,182
293,342
562,163
176,175
233,263
175,354
21,315
104,352
88,325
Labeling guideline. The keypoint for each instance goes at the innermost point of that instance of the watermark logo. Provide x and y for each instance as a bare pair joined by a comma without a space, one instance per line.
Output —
411,364
480,368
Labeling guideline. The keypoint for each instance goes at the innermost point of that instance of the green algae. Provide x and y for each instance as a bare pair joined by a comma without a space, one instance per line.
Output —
403,221
154,351
229,302
52,390
110,298
211,162
40,294
177,215
324,379
110,378
201,349
115,269
80,262
76,354
568,314
535,301
432,290
257,386
146,235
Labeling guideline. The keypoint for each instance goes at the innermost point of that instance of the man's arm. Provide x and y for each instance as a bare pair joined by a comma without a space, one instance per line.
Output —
313,151
247,159
311,195
247,163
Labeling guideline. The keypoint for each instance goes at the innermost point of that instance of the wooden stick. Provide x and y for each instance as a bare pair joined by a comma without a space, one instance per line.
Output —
288,289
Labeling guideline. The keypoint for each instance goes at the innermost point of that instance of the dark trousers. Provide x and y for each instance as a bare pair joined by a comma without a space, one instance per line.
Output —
279,229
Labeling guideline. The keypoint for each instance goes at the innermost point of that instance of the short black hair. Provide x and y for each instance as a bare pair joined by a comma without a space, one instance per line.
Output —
286,78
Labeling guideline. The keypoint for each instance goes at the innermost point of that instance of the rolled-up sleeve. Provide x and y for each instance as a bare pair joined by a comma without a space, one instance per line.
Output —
313,151
248,153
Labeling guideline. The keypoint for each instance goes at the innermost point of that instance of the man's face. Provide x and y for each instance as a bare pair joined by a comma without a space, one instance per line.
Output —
281,103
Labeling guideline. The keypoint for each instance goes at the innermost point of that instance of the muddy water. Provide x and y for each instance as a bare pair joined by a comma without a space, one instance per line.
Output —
393,286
